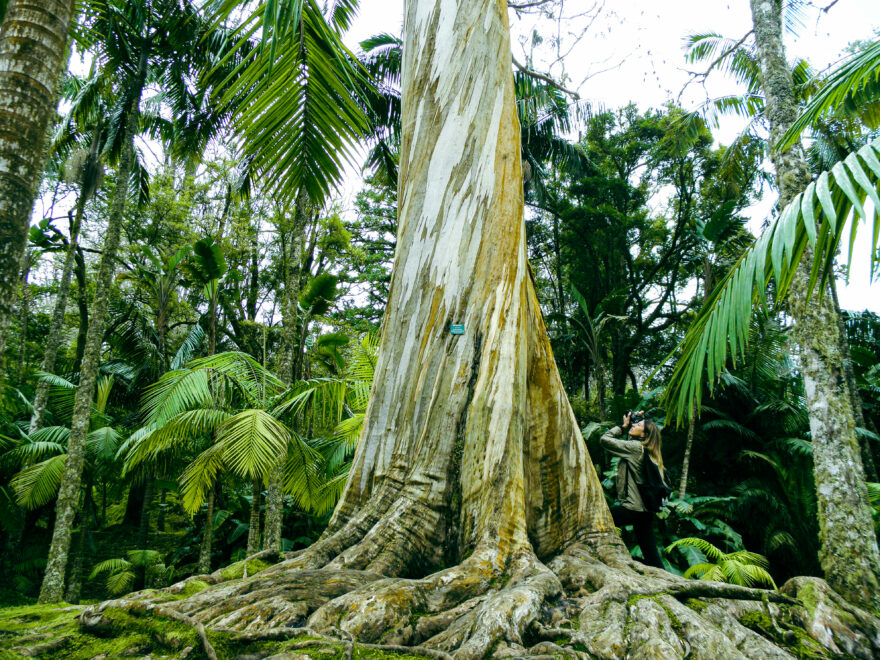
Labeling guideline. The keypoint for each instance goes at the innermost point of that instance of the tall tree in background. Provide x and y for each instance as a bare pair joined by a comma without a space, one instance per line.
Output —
848,553
33,38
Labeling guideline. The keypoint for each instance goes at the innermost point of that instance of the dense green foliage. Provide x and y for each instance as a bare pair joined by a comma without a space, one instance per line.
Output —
631,227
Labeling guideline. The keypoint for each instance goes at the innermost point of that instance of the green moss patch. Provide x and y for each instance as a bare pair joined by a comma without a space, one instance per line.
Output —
236,570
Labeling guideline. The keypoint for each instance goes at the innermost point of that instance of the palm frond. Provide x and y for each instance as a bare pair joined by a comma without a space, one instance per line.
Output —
850,86
252,441
190,346
816,217
302,474
38,484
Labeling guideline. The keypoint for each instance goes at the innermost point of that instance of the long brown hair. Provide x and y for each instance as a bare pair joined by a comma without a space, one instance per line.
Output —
652,443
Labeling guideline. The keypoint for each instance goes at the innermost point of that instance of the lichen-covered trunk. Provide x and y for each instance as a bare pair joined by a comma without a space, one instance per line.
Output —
289,345
469,442
26,264
207,536
33,40
253,543
53,339
848,550
68,494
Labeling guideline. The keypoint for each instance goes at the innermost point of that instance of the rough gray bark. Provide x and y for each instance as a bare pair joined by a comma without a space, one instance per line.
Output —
33,39
68,494
53,339
848,551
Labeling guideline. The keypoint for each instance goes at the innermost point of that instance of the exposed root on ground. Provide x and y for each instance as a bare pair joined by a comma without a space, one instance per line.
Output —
590,601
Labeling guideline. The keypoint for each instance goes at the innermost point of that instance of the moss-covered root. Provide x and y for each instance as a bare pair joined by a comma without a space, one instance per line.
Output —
840,627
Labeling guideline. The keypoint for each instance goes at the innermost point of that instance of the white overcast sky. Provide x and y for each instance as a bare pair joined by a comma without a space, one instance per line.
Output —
638,45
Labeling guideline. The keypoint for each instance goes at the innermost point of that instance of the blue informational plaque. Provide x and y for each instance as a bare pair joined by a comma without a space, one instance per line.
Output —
456,329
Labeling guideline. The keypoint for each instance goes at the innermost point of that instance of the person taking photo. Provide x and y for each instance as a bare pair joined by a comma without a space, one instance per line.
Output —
637,440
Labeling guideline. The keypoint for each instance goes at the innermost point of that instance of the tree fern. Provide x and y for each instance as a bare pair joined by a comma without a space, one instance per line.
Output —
741,567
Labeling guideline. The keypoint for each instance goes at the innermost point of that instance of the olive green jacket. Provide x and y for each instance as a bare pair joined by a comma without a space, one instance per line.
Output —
629,470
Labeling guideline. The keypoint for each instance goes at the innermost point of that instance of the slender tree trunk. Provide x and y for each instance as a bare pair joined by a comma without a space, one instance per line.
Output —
253,544
160,516
146,507
68,494
686,460
53,339
858,415
25,313
290,342
74,580
848,551
82,304
33,39
207,536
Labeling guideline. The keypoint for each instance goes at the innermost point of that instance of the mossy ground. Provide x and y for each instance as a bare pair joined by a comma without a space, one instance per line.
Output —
56,630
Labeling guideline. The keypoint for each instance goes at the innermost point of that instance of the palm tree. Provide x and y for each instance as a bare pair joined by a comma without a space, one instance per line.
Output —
33,39
220,409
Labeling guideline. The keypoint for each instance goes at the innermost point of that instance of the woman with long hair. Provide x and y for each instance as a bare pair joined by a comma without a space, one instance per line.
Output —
642,442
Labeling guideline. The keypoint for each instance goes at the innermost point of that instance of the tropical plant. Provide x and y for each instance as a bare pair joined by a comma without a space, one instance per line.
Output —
43,454
141,566
852,88
815,219
335,406
741,567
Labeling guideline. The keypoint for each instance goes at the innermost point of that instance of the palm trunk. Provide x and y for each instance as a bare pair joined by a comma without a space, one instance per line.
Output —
53,340
289,346
848,551
25,313
33,40
68,494
146,507
686,460
82,304
207,537
253,544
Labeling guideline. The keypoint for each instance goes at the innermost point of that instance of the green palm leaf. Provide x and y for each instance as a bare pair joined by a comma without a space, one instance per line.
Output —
199,477
252,440
174,437
852,87
302,473
295,98
38,484
815,218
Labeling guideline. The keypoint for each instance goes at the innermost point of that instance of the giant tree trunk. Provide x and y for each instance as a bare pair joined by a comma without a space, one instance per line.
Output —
848,551
53,339
68,493
473,524
33,40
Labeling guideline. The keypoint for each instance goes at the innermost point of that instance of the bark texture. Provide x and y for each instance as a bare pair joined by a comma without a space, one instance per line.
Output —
33,40
68,494
848,550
